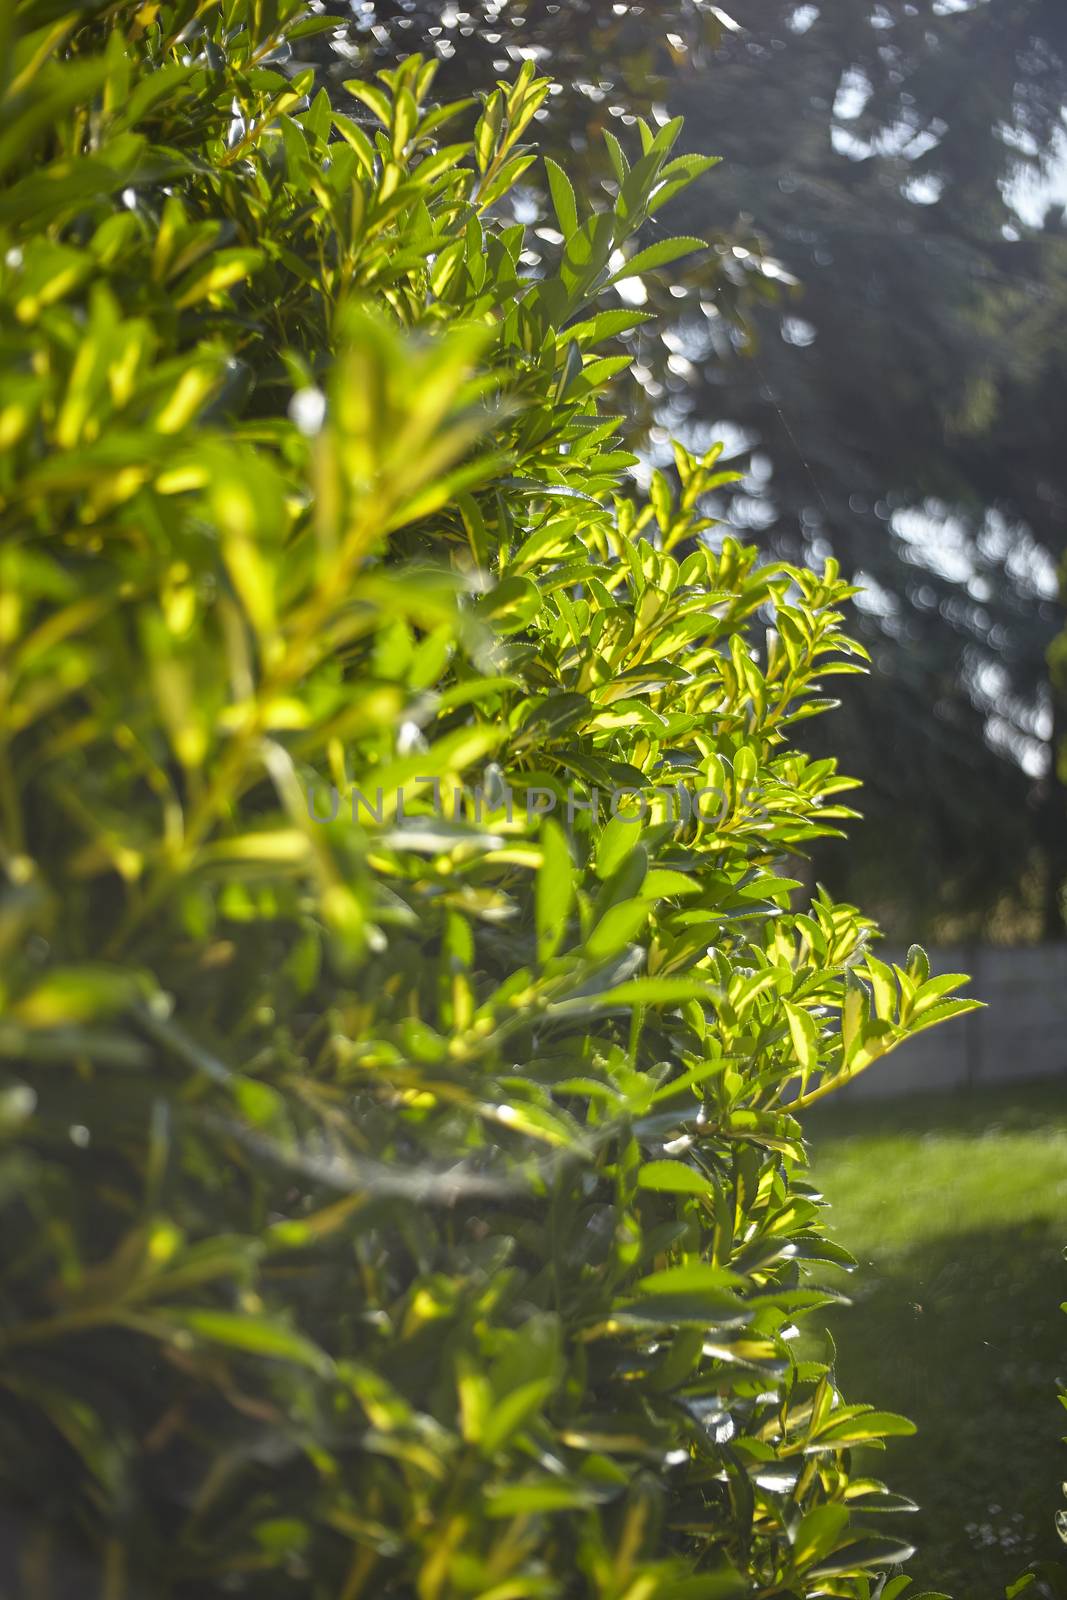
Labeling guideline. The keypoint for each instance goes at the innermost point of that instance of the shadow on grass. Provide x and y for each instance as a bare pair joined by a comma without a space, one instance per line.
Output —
964,1335
962,1114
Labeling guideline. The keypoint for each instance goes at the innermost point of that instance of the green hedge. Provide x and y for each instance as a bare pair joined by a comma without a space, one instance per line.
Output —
410,1204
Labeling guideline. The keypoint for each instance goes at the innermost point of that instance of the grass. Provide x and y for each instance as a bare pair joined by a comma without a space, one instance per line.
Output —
956,1208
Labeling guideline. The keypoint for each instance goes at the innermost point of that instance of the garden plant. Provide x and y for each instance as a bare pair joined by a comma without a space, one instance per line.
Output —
407,1016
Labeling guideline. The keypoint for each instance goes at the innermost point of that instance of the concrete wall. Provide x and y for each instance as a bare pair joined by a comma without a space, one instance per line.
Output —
1020,1037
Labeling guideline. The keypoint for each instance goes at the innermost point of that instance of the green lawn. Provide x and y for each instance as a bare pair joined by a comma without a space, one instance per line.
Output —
956,1207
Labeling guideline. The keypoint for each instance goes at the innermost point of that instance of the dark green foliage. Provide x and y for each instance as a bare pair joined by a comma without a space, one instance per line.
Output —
409,1206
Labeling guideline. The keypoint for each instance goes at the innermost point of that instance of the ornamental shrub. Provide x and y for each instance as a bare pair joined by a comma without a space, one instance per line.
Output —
407,1202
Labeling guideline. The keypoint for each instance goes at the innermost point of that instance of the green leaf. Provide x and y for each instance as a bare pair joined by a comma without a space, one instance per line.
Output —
884,985
509,1414
869,1425
220,272
657,255
81,994
662,883
803,1033
512,605
617,155
619,837
698,1276
555,889
373,98
697,1307
674,1177
487,133
944,1013
542,1498
672,992
251,1335
895,1588
563,200
863,1553
819,1533
616,928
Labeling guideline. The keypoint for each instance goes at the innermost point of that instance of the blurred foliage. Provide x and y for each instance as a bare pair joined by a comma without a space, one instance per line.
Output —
400,1198
902,410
